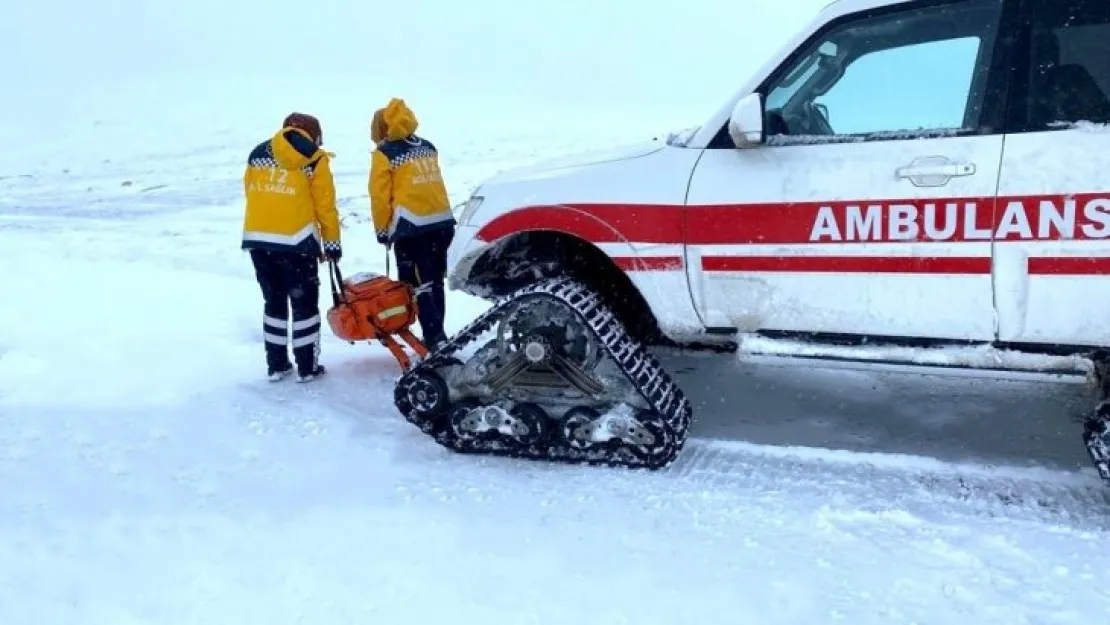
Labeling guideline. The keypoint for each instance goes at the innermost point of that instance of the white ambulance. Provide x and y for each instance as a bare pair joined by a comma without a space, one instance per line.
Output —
906,171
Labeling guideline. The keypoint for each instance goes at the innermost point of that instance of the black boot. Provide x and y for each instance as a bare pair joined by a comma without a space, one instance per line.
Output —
312,375
277,375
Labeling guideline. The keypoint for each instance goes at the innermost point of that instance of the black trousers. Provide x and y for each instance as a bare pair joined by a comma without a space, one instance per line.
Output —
422,263
289,281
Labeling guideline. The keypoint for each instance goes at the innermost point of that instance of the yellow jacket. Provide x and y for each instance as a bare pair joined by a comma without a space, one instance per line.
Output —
407,194
290,196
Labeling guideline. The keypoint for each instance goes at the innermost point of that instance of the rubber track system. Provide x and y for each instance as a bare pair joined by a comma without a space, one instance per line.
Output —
630,356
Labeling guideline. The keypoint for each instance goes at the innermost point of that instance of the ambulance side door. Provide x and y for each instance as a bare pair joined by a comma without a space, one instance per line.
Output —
865,209
1052,250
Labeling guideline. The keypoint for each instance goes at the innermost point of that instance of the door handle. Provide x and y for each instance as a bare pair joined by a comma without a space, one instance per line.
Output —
948,171
934,171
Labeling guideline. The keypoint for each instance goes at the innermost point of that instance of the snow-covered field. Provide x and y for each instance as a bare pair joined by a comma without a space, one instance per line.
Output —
151,475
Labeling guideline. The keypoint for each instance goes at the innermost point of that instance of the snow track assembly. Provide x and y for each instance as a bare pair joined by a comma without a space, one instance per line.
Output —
560,380
1096,436
1096,431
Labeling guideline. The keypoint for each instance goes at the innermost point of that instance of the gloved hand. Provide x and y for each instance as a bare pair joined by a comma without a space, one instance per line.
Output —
333,251
383,239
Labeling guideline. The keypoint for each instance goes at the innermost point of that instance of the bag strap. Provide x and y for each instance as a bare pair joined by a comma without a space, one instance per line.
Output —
333,275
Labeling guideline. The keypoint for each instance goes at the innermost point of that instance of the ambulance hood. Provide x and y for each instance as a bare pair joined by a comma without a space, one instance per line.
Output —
559,165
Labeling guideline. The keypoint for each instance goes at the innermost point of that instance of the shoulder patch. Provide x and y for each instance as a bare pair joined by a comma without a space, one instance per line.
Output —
392,149
413,153
418,141
262,156
405,150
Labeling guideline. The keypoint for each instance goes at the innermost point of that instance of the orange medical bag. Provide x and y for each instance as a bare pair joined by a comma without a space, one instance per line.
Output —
370,306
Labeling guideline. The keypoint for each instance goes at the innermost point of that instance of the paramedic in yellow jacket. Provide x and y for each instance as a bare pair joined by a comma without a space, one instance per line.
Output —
411,212
290,222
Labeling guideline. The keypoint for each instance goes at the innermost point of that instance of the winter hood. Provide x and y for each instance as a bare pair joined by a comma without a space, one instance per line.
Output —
398,119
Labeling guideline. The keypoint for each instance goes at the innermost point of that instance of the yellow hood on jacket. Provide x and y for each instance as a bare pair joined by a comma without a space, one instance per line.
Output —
399,119
288,156
377,127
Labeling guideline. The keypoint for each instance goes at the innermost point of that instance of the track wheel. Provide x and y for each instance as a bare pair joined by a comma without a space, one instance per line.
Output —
524,425
530,425
649,438
466,418
428,395
578,427
643,435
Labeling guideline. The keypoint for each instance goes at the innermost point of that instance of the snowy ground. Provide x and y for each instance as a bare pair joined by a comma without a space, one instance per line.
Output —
150,474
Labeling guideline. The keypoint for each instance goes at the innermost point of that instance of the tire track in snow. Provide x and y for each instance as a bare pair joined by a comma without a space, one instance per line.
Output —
359,394
922,486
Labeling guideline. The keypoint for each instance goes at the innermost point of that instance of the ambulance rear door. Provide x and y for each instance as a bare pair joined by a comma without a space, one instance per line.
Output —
1052,250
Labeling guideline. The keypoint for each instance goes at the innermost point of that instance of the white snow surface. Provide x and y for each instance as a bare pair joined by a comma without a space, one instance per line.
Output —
973,356
151,475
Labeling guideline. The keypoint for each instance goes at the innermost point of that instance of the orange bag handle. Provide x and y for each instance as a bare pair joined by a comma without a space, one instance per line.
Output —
333,275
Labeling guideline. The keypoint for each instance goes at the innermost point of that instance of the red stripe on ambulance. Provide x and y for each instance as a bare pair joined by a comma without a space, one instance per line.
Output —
649,263
956,220
596,223
1068,266
876,221
949,220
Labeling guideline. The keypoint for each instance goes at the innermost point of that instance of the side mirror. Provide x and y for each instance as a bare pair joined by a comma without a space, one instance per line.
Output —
745,126
824,111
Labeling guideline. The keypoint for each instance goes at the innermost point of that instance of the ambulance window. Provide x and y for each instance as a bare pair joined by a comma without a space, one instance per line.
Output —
907,72
1069,65
921,100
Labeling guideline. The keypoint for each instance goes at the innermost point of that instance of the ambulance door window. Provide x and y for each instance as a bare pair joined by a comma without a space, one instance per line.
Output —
914,98
915,72
1067,69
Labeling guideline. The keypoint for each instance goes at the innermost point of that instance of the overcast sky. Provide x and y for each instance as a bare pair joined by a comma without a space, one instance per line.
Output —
607,45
